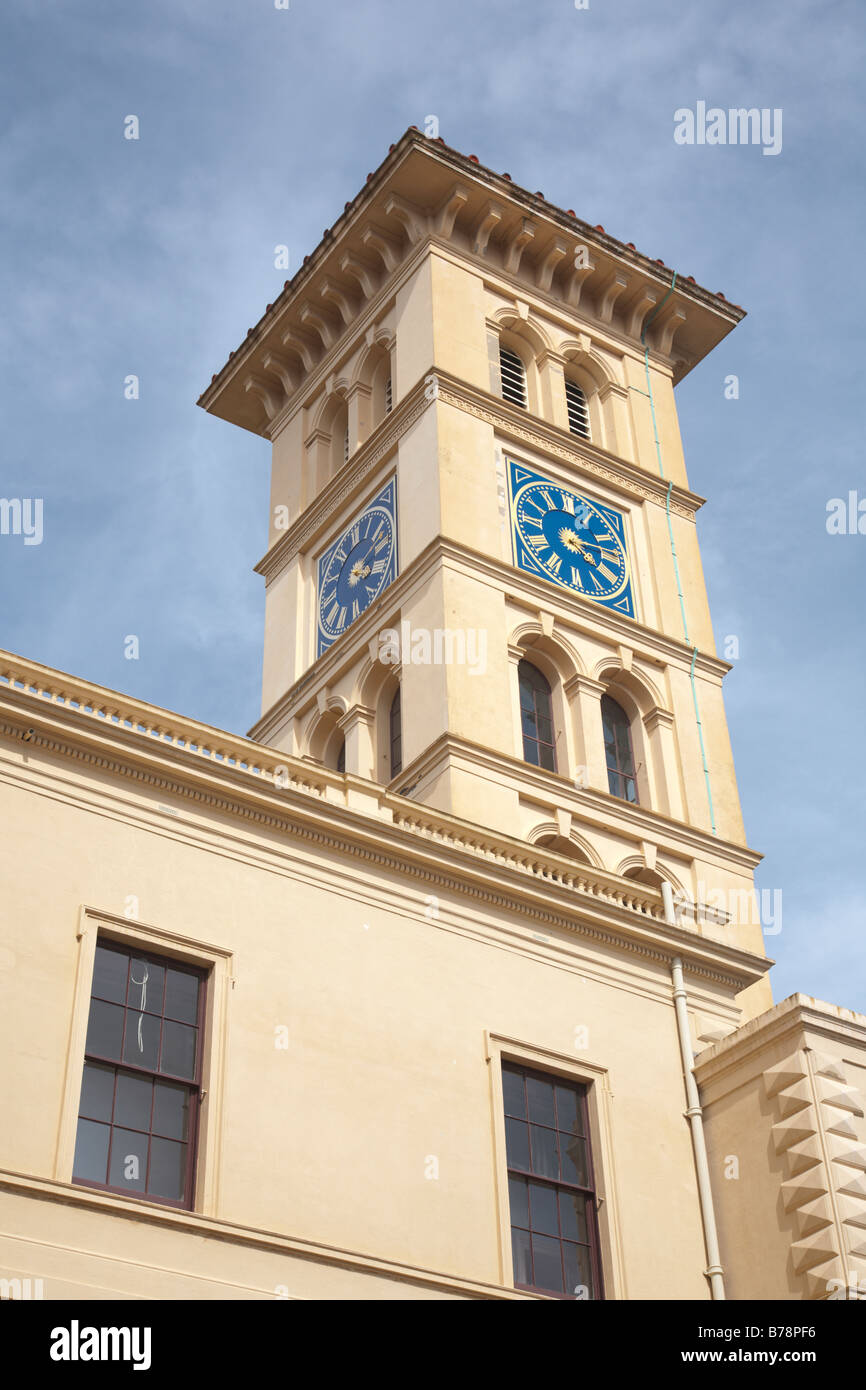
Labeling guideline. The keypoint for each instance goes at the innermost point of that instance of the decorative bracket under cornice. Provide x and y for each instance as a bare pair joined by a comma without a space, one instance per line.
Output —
555,253
490,218
518,244
447,214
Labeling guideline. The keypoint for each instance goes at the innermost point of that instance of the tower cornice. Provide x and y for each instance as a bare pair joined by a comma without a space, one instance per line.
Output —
425,190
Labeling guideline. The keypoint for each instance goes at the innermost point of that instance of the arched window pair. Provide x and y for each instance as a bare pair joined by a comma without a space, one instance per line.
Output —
394,741
512,374
539,740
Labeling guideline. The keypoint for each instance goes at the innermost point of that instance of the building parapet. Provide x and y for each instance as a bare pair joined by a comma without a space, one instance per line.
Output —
294,795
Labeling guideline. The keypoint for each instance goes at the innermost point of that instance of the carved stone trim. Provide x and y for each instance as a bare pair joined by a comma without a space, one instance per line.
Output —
577,457
398,864
342,486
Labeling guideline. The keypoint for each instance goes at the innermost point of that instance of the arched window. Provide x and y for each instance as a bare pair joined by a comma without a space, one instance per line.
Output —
339,432
618,750
578,412
536,717
341,757
377,376
513,376
562,844
395,735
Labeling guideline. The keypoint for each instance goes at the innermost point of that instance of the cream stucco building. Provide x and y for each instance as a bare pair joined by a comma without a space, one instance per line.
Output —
448,981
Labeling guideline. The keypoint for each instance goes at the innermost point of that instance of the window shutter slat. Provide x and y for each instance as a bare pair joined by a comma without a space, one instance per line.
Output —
578,414
513,377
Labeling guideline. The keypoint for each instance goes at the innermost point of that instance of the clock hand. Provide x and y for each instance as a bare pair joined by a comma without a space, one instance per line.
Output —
369,551
602,549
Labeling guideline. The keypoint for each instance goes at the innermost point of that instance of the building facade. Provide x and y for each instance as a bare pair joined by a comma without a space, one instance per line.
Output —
447,982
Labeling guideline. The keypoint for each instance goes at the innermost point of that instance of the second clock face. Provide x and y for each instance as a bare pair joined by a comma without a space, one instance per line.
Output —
357,567
570,540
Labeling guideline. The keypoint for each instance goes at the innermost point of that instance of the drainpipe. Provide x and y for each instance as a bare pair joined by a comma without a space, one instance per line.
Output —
695,1117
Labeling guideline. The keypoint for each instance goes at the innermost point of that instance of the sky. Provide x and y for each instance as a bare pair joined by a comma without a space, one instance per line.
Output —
152,257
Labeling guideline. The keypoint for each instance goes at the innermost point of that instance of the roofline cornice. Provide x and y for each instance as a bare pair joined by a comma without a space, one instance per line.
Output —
787,1021
270,384
593,806
71,719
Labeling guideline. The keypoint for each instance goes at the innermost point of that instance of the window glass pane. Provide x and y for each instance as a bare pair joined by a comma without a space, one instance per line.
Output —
547,759
578,1271
547,1259
178,1049
146,986
542,1202
512,1087
128,1167
516,1144
167,1164
573,1157
572,1215
531,752
104,1029
522,1255
141,1046
568,1110
109,975
540,1095
623,742
546,1114
530,727
545,728
544,1160
181,995
134,1096
170,1110
518,1201
609,739
97,1092
91,1151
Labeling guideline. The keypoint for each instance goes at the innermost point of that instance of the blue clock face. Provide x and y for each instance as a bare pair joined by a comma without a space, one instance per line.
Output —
569,540
354,571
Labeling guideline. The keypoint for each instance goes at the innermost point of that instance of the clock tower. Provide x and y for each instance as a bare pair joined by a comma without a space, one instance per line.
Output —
483,582
474,902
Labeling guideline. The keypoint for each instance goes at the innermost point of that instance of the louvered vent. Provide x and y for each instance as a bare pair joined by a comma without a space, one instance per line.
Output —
388,396
346,445
513,377
578,415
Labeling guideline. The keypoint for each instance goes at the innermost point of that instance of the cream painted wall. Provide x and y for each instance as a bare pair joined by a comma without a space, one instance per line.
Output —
386,1007
784,1101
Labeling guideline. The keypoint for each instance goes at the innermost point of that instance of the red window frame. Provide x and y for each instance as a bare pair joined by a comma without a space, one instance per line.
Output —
618,751
536,713
581,1195
121,1066
395,734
